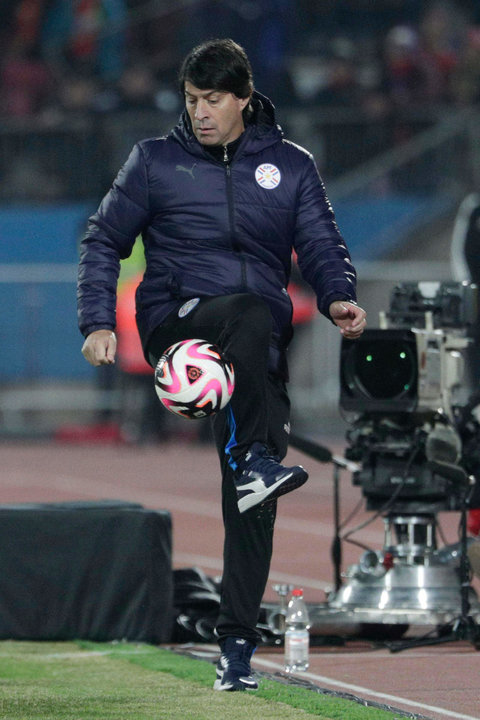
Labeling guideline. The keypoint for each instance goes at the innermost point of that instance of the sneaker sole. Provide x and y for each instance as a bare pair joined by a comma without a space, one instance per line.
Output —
281,487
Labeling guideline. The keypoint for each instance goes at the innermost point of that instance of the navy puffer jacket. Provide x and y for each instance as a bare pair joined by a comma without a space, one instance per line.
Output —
214,228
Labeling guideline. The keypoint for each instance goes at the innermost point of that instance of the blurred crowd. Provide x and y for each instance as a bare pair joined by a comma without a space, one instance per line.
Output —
59,57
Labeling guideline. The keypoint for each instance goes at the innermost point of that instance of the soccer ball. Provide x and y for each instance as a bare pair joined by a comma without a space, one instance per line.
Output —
192,379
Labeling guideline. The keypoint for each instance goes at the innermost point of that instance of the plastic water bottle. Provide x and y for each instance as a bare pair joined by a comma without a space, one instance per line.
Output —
297,637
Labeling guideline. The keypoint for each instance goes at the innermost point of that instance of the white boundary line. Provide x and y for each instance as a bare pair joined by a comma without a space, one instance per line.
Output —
368,691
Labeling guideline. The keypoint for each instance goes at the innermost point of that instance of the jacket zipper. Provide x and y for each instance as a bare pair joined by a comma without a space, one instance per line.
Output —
235,248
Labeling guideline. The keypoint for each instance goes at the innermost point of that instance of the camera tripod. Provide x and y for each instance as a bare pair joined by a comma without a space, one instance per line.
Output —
464,627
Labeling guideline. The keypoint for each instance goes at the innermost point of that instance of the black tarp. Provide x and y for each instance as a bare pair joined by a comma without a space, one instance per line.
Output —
98,571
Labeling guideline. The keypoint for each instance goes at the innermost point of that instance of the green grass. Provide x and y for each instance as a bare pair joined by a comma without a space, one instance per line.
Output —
122,681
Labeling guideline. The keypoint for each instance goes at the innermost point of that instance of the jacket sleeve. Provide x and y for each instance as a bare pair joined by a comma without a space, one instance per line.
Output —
323,257
110,236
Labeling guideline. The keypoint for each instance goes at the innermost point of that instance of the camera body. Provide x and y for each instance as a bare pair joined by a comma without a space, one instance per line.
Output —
401,387
414,361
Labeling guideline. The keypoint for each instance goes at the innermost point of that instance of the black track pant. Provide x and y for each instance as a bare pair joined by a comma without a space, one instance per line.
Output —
258,411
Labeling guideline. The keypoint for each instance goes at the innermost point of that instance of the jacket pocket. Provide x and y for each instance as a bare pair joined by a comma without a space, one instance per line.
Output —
155,289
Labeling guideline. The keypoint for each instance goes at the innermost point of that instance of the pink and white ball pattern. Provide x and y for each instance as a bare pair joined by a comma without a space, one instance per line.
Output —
192,379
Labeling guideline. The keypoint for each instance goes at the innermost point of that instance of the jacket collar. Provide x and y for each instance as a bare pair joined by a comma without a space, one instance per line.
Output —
261,129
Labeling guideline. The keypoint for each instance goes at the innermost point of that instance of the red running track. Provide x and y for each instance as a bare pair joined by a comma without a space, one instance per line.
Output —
438,682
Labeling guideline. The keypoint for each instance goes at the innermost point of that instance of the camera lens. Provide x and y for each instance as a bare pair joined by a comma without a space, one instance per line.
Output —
379,372
384,369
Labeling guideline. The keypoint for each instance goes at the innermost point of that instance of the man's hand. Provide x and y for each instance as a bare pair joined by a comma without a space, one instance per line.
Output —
350,318
99,347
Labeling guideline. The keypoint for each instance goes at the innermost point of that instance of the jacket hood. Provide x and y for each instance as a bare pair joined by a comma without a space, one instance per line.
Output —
261,128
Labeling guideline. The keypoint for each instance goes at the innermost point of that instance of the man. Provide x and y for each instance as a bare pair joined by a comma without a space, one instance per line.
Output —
220,203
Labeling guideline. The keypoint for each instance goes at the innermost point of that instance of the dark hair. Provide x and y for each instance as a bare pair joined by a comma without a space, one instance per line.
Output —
218,65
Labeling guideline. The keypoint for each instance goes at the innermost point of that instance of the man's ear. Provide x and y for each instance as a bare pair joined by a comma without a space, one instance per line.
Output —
244,102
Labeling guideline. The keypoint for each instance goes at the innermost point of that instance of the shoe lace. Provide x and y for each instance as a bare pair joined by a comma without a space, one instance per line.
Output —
240,664
264,463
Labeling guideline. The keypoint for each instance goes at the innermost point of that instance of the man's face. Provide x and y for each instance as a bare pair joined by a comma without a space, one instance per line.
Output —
216,116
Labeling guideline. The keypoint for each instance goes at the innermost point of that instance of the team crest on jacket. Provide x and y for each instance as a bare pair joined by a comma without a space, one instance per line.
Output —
268,176
188,307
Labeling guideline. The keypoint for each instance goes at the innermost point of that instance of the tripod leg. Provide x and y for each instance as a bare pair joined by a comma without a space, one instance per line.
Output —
336,549
467,629
464,627
421,642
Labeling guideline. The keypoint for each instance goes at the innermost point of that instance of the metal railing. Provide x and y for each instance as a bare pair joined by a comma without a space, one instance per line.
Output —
76,158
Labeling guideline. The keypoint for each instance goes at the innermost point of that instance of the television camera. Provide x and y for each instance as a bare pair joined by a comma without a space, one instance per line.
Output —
403,384
414,440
